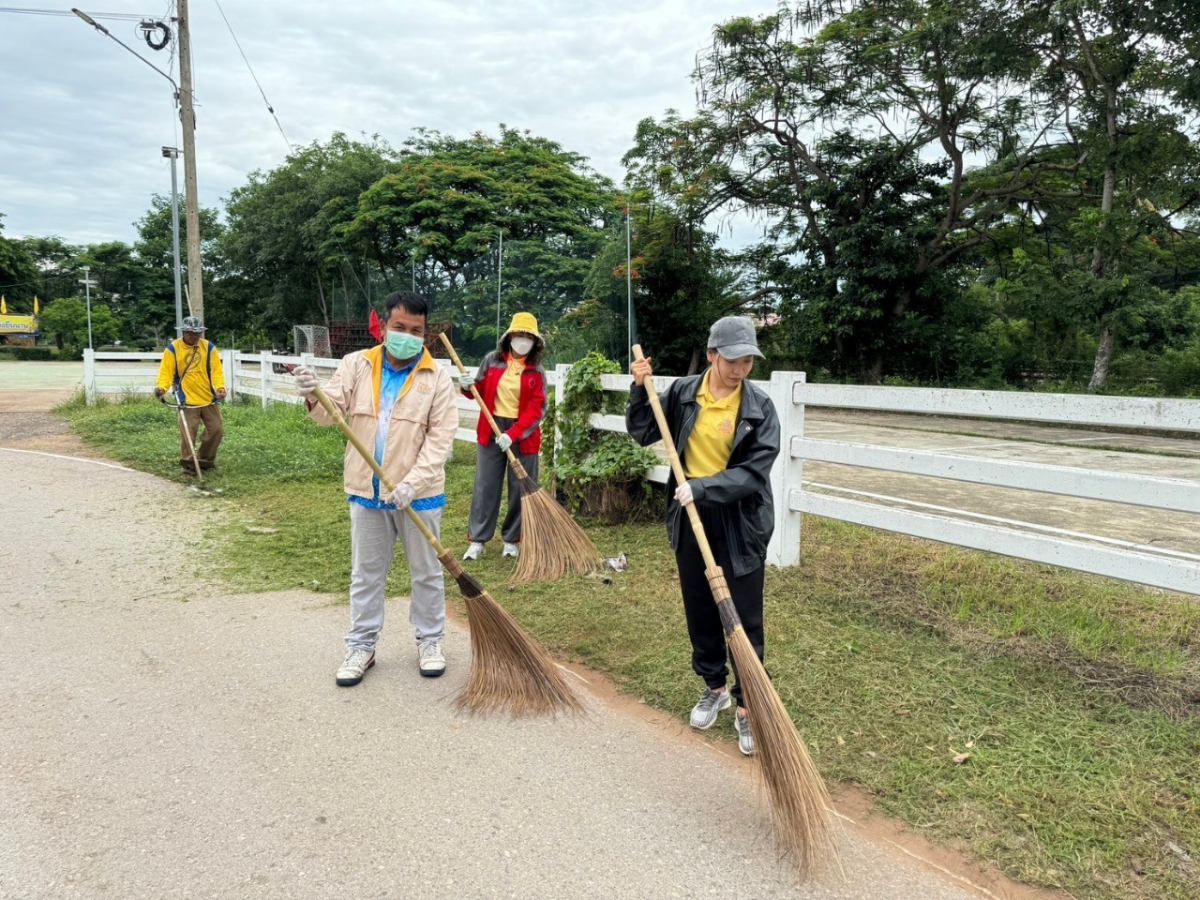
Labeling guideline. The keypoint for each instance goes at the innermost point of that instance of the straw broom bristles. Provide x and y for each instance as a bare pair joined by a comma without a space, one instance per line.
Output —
509,672
796,791
553,544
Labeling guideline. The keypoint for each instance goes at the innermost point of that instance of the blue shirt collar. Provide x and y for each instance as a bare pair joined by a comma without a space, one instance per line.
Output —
388,365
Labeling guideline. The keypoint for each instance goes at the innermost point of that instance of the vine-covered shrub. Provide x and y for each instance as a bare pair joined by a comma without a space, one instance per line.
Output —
602,473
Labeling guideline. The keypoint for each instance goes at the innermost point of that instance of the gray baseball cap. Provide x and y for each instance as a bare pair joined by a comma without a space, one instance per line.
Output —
733,337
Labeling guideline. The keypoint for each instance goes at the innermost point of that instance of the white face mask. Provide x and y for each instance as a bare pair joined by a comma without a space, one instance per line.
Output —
522,345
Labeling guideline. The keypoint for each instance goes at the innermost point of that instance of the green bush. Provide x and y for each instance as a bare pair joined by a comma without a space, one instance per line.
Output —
602,472
33,354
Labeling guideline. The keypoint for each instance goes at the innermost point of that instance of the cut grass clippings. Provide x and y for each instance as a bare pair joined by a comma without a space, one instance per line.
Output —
1044,721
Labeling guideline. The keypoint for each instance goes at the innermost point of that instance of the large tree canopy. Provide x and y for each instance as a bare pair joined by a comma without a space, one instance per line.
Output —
447,201
282,242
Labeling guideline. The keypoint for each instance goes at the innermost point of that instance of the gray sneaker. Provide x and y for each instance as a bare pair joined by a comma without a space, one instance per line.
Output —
355,666
704,713
745,738
430,659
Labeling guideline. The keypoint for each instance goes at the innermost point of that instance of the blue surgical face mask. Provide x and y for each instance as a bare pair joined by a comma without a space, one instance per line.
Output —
404,346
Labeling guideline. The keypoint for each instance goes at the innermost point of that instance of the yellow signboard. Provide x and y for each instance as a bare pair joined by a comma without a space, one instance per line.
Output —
18,325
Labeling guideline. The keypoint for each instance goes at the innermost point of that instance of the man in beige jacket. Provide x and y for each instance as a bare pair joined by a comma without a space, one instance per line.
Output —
399,401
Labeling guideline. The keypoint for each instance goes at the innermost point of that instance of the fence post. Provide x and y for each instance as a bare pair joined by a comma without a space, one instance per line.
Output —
264,368
89,375
231,364
560,393
788,472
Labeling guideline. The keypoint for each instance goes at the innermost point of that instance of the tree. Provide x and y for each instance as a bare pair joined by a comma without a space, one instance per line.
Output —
151,317
66,319
681,283
444,205
283,243
18,274
1123,72
56,262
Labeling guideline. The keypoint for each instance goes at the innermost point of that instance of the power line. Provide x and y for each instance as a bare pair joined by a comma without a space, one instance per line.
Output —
32,11
270,108
332,229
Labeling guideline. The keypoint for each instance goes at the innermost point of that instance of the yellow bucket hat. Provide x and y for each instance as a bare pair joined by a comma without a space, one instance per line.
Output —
526,323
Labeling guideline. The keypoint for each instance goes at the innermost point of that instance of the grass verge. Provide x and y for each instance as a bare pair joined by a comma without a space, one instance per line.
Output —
1071,703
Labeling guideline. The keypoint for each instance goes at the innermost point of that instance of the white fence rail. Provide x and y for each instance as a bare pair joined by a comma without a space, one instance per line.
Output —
268,377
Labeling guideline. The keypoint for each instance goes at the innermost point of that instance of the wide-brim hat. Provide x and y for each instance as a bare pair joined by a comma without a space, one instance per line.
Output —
733,337
192,324
525,323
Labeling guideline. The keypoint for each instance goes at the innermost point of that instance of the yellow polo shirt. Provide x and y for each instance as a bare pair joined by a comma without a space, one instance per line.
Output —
711,442
508,391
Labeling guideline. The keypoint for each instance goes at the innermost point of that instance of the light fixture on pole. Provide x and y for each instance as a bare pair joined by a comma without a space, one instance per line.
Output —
87,287
173,154
184,100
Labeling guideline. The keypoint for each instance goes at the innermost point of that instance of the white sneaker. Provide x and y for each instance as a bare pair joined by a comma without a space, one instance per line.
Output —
430,659
511,551
474,551
355,666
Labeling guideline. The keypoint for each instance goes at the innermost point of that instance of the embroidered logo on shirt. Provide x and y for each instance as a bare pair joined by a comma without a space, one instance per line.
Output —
424,388
725,426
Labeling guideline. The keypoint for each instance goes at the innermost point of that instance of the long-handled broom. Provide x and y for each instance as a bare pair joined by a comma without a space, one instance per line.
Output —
799,801
510,672
553,542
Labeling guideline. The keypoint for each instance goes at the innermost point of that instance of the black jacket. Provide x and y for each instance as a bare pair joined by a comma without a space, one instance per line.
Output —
742,491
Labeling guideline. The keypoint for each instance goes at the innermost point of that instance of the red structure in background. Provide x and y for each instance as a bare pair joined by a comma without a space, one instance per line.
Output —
346,337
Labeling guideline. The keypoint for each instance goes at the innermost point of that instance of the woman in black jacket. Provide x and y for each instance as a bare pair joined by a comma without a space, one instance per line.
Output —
727,433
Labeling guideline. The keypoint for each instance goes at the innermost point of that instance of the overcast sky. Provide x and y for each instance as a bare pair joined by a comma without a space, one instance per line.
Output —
82,122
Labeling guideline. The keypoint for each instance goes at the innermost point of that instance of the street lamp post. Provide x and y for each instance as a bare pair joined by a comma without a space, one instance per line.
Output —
173,154
87,287
183,98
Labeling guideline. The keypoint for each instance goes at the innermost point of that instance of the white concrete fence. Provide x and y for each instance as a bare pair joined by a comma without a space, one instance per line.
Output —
265,375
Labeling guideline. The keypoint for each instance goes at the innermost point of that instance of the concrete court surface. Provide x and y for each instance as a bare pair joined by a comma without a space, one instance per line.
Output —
161,739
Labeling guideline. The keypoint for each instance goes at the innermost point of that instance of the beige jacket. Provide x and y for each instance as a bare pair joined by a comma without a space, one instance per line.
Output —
420,435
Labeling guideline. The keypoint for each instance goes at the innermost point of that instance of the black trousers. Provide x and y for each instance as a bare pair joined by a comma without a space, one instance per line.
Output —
709,650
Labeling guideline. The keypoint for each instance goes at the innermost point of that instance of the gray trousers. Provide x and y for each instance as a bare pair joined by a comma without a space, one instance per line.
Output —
373,534
490,466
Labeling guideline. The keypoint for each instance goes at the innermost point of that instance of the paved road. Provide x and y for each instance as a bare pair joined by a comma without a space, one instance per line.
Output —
160,739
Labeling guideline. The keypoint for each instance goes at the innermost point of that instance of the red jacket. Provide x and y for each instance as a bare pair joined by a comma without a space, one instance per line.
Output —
531,404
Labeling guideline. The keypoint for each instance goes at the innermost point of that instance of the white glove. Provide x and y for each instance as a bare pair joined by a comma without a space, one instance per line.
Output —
402,496
683,494
306,382
504,442
466,381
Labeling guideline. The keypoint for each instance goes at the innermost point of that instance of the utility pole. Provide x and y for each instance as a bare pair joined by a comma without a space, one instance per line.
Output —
629,281
188,115
87,286
499,282
173,154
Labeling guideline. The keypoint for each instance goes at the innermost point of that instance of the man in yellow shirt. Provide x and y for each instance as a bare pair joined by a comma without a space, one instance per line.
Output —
727,432
191,370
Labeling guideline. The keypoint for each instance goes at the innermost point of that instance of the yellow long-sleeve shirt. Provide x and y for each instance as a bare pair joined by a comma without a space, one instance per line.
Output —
198,369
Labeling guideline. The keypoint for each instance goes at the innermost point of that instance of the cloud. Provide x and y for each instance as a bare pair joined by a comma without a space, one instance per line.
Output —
84,123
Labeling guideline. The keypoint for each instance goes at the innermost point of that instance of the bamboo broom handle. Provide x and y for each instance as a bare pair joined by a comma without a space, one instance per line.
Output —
512,457
366,454
676,465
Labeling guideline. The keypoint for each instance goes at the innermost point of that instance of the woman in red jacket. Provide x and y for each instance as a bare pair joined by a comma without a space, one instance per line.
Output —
513,386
